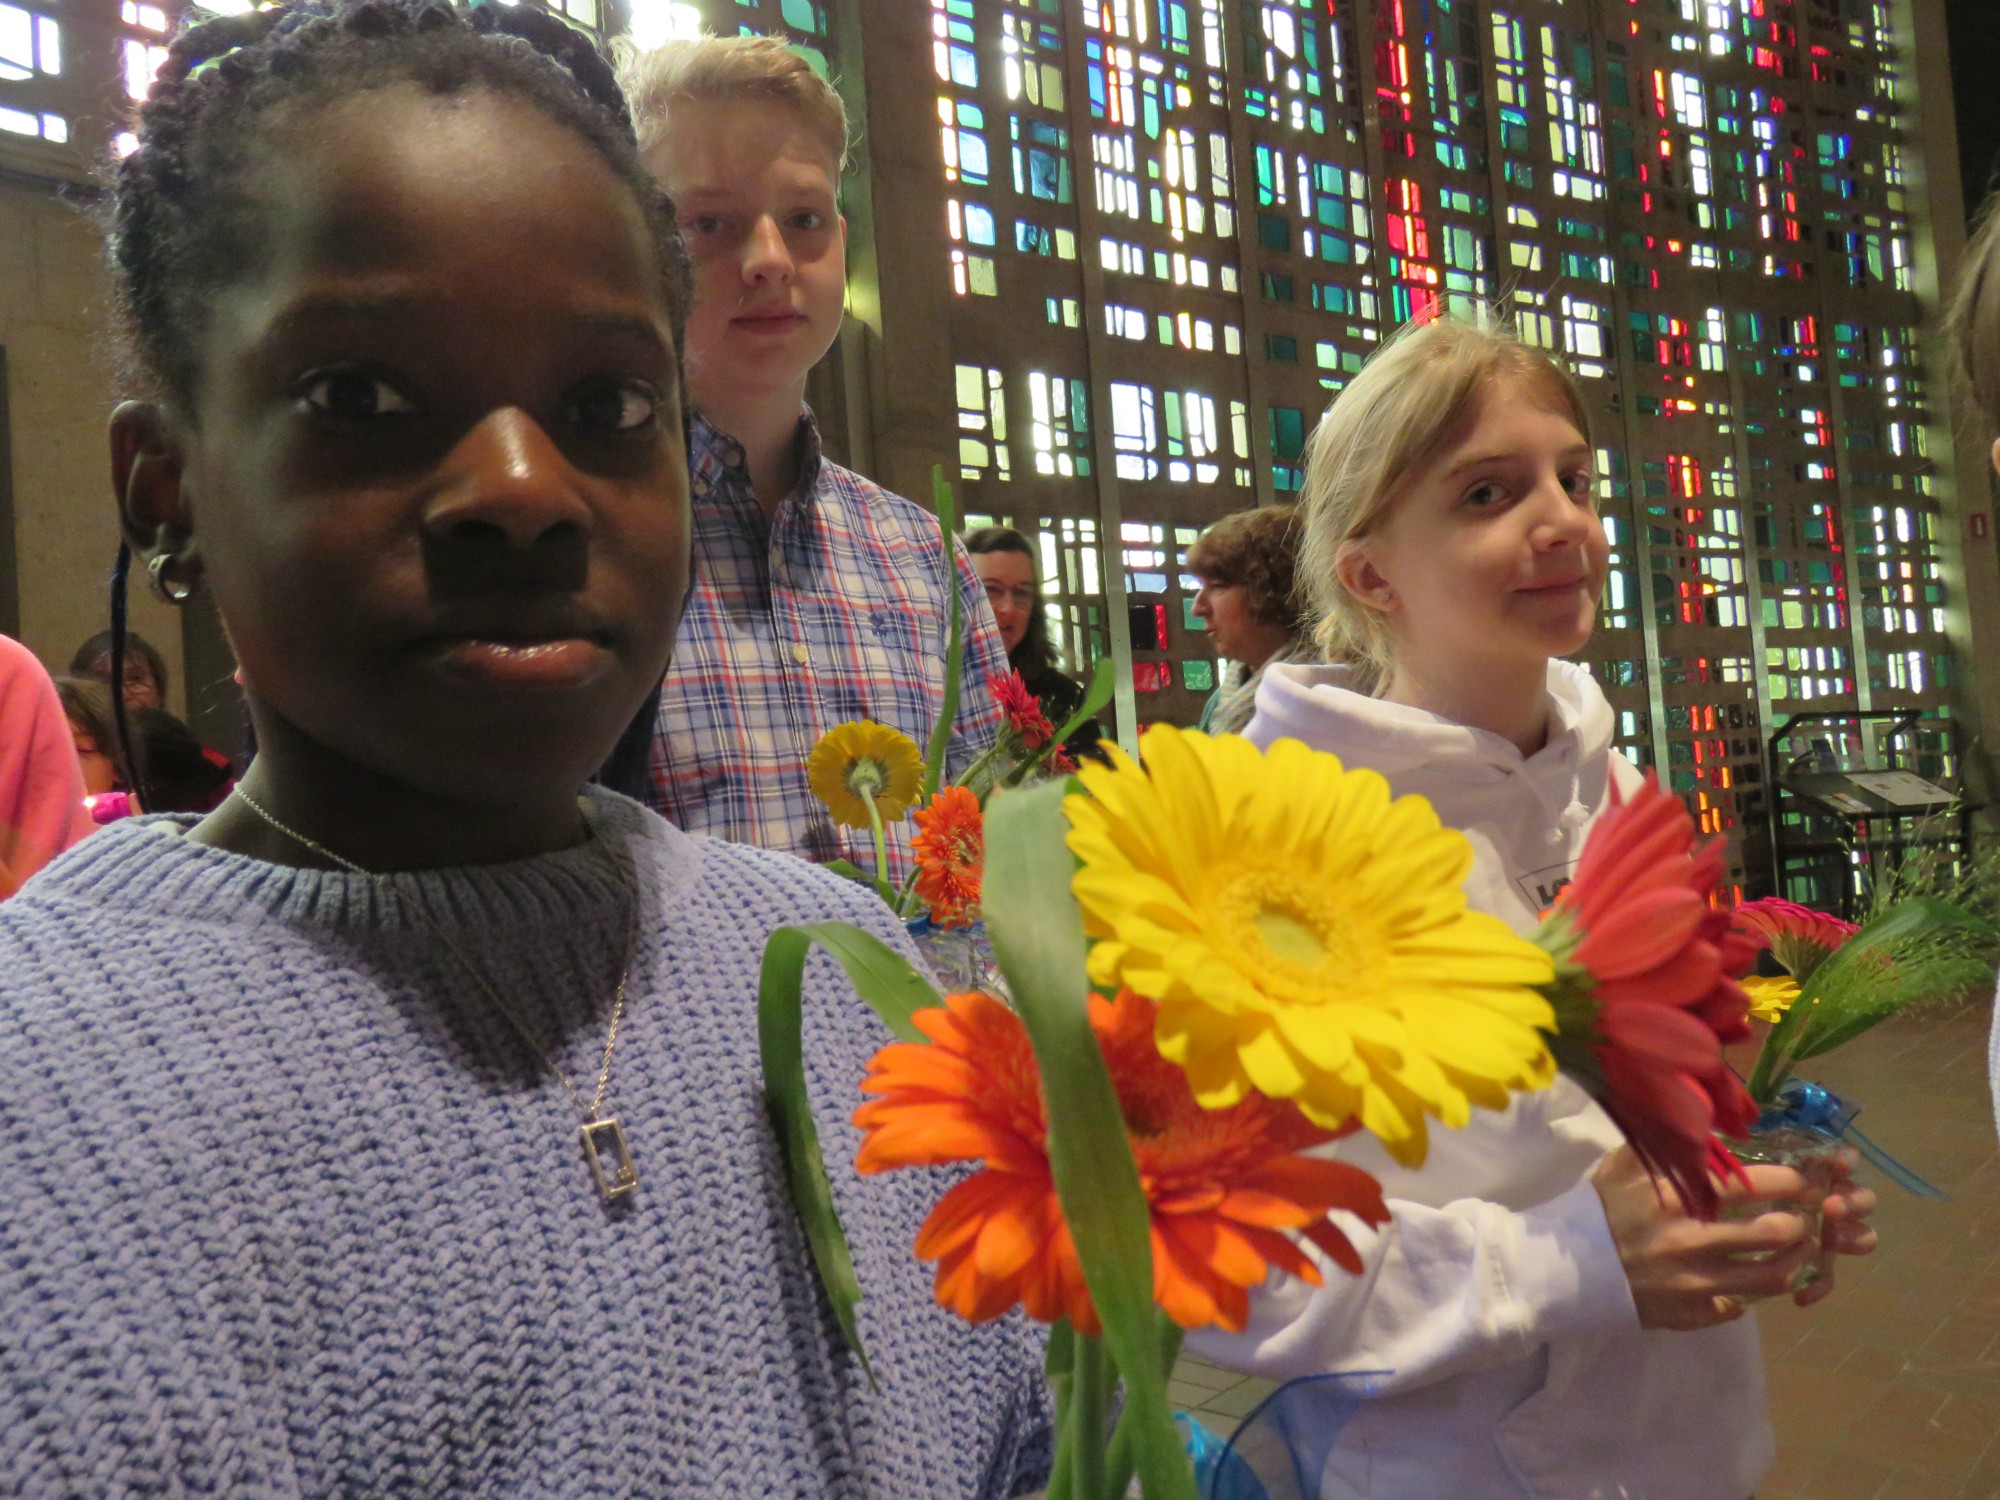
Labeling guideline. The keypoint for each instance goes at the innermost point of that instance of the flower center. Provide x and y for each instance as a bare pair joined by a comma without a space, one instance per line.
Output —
1289,938
1144,1118
1153,1095
1292,937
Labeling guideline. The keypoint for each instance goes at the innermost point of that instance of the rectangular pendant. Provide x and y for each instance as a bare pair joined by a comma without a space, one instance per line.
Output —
610,1159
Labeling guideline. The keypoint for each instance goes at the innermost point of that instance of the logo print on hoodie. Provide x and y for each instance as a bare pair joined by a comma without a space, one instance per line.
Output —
1541,887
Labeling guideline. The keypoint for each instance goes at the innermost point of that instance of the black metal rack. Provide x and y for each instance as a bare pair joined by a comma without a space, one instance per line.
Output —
1833,826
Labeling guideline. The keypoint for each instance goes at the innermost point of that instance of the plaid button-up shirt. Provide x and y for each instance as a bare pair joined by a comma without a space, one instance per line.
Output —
834,609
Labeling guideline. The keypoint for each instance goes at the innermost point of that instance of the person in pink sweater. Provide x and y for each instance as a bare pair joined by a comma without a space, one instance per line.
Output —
41,782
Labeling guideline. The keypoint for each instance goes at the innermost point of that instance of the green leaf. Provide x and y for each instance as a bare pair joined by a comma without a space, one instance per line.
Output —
894,989
1921,950
848,870
1036,930
1103,683
954,651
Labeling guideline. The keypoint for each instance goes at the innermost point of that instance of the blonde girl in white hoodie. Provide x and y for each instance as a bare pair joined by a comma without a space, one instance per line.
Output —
1551,1325
1974,327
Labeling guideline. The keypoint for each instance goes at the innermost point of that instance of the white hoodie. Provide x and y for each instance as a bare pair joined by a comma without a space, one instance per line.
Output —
1495,1298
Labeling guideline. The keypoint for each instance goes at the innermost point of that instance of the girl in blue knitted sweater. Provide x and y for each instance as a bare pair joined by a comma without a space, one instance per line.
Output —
395,1129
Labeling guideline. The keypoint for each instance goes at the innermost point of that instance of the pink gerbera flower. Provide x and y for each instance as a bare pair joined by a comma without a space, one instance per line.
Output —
1801,939
1648,994
1023,710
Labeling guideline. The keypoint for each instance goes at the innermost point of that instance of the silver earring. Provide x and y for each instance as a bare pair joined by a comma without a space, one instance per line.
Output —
167,589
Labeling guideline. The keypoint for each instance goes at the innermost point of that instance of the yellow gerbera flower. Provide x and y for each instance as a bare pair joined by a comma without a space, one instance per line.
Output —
865,756
1771,995
1305,936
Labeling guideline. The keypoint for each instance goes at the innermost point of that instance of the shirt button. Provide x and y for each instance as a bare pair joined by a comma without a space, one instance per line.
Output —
801,655
700,487
777,557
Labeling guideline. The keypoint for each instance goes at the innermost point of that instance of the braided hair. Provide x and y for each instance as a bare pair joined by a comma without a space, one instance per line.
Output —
182,225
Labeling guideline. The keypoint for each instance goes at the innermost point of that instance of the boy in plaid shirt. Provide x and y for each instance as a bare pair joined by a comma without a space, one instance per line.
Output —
818,597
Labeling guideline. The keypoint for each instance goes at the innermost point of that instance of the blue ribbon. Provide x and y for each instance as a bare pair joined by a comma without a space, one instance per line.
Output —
1211,1457
923,927
1280,1451
1822,1112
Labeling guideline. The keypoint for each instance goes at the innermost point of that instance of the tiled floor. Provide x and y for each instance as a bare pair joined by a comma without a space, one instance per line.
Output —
1889,1390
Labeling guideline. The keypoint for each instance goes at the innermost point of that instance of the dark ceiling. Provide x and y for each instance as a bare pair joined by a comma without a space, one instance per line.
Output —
1975,78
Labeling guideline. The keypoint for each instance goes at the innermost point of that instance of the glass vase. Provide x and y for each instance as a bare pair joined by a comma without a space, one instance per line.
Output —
1810,1153
960,958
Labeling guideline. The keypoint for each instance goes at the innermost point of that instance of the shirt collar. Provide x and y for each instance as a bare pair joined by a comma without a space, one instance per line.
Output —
717,458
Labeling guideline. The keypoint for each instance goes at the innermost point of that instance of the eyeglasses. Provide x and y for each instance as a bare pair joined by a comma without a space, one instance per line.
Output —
1023,596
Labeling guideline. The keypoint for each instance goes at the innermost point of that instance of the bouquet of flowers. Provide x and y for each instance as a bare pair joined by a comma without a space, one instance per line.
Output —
1215,960
1927,941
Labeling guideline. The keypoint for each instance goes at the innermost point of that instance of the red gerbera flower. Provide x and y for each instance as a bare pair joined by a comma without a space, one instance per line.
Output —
950,846
1647,993
1802,938
1223,1185
1023,710
1062,763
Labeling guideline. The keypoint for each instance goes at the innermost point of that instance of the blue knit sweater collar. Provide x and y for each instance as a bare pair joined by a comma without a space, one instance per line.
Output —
145,864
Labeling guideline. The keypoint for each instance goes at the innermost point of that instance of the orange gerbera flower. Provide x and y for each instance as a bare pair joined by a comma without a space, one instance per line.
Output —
950,846
1223,1185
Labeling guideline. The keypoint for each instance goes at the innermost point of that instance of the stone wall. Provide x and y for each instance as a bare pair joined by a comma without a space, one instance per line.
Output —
60,389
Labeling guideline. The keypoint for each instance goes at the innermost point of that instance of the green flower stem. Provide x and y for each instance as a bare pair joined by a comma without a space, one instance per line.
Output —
1776,1057
1090,1411
1769,1071
905,906
1062,1473
1062,1481
881,839
954,648
986,758
1121,1463
1060,1364
1033,762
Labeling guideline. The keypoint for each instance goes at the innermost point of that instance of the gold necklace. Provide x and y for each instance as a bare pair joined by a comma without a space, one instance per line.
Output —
604,1147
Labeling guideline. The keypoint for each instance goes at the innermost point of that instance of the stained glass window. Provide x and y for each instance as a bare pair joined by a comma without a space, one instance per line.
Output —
1160,235
34,104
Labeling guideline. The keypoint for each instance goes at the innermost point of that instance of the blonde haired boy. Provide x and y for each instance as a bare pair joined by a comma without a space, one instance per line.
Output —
818,596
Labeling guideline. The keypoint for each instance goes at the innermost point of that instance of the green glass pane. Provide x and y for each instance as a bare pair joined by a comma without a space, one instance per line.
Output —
803,15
